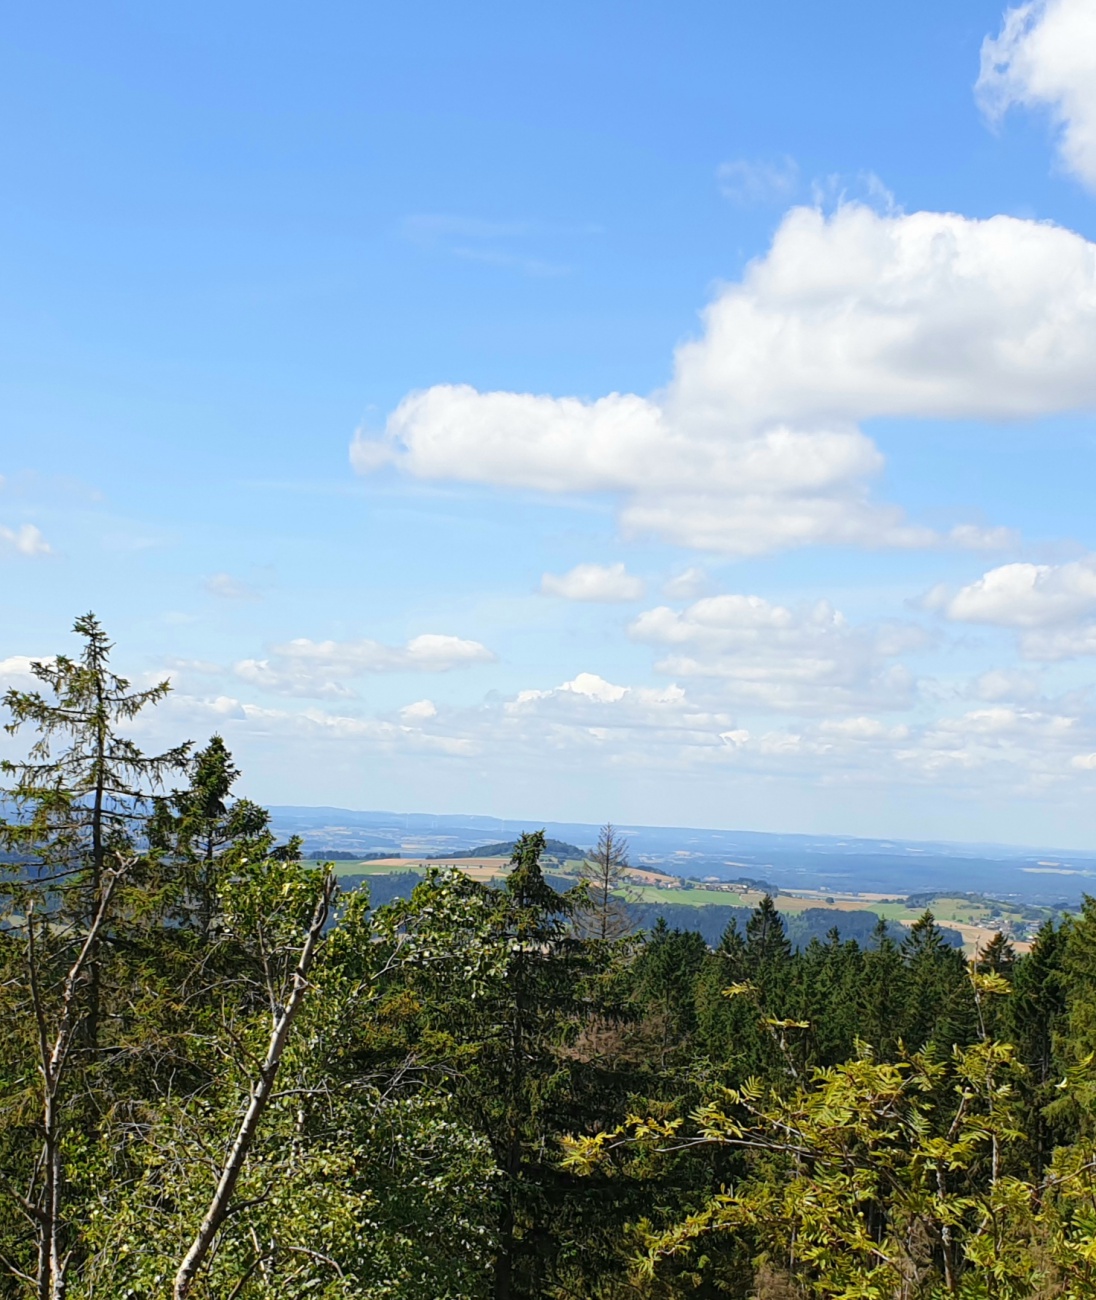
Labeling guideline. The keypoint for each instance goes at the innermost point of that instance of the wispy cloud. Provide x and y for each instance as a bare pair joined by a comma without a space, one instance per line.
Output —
608,583
686,585
429,228
320,669
837,189
225,586
533,266
755,183
26,540
756,653
505,244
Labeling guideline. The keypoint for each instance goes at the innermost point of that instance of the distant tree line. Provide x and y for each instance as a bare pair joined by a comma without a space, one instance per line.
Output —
221,1076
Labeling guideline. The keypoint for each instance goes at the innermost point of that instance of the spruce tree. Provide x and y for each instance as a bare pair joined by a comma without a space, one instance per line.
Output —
767,943
666,972
727,1031
496,977
539,987
825,980
940,1005
1075,1042
883,998
604,914
732,947
998,956
84,792
202,830
1035,1022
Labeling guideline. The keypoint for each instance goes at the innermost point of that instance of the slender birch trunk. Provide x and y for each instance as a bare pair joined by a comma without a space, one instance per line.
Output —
261,1090
53,1055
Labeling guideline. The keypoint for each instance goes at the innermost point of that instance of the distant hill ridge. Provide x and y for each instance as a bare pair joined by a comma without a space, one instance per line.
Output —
558,849
825,863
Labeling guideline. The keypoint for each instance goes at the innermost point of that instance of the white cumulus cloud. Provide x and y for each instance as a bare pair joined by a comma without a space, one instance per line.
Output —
1025,595
419,711
1052,606
594,582
1045,57
628,724
755,444
25,540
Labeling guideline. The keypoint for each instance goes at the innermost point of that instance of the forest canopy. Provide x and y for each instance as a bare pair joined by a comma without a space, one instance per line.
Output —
222,1076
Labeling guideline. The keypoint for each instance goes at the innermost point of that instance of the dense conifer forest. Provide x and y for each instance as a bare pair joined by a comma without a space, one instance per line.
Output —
222,1077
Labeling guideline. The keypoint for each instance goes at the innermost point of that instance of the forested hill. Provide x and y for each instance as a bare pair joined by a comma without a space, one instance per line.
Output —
559,850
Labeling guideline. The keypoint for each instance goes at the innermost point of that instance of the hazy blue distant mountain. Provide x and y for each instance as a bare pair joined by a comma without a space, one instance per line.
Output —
825,862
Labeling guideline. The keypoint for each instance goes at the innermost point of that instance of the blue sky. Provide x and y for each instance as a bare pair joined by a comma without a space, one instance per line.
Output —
664,413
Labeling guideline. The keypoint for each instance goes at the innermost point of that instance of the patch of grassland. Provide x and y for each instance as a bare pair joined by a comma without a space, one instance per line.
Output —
371,868
696,897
